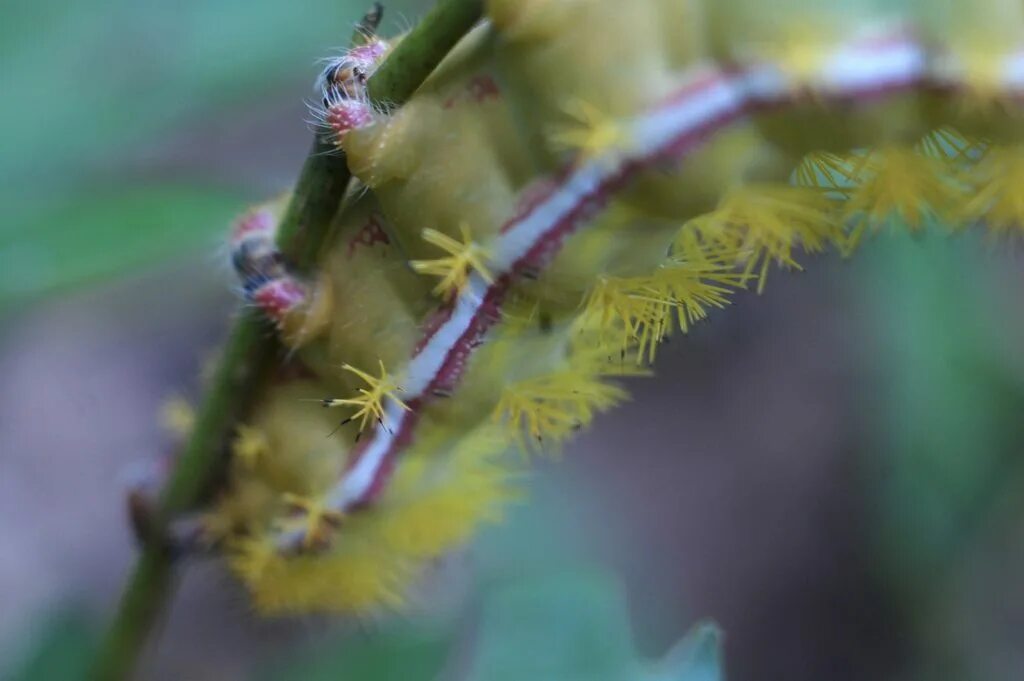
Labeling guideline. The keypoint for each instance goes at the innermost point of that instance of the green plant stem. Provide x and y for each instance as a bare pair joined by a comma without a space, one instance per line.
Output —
252,350
419,53
248,356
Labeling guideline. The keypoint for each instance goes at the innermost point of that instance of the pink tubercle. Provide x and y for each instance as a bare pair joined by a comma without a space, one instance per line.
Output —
278,297
347,114
369,53
256,222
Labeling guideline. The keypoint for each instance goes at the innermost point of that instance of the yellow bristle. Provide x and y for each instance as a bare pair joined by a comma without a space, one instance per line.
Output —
369,561
311,515
370,402
639,310
464,258
360,578
824,170
898,182
608,310
695,288
591,133
250,444
953,148
997,200
766,224
425,514
552,407
800,52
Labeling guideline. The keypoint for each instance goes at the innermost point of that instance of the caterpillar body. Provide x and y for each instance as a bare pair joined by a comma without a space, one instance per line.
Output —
577,179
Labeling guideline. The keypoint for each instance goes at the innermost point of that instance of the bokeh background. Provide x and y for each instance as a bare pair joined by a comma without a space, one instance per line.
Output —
832,471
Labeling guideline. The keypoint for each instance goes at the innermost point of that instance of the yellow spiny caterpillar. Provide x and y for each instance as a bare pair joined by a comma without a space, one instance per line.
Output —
577,178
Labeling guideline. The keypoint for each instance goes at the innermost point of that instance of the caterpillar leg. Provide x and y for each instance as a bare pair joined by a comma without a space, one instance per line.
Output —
299,309
341,88
186,535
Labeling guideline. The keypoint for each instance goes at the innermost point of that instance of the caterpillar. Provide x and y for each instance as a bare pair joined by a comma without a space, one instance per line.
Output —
576,181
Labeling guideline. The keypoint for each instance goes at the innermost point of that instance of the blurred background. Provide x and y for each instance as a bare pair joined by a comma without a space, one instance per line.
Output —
831,471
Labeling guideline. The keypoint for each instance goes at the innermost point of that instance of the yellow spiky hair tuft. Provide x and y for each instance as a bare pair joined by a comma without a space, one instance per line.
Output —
998,199
898,182
435,501
359,579
766,224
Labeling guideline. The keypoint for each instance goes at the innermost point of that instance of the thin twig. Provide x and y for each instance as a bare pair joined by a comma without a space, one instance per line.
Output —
251,351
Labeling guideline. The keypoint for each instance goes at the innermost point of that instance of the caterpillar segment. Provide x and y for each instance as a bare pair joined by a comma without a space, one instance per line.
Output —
578,180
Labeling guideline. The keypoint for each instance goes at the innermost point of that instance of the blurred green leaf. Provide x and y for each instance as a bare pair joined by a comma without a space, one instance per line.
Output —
561,627
537,536
575,627
566,627
59,651
946,434
947,414
91,235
